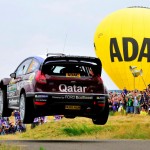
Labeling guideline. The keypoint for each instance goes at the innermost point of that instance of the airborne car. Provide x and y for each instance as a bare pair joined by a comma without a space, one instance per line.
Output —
56,85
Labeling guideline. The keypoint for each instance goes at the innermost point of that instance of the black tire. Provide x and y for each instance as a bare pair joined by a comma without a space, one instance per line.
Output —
26,109
4,110
101,118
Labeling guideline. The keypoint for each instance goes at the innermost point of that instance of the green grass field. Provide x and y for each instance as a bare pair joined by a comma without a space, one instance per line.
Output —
117,127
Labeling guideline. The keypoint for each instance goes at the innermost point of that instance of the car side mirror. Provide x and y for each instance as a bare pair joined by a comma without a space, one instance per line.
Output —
13,75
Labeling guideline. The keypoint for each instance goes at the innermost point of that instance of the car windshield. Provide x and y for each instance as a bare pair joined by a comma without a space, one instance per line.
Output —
75,70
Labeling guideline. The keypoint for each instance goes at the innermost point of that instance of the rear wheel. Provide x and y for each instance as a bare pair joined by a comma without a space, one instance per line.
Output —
101,118
26,109
4,110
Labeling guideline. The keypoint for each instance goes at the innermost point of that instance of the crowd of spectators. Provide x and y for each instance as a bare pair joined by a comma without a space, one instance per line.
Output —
9,127
126,101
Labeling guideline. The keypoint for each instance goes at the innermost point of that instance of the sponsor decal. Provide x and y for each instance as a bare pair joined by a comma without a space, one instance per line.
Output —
41,100
84,97
100,98
70,97
137,52
11,94
58,97
14,101
41,96
74,88
11,87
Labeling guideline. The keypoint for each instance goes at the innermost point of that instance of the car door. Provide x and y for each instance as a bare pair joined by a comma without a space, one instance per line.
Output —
16,84
30,75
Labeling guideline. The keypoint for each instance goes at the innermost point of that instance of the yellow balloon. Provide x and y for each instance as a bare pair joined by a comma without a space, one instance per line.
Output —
122,42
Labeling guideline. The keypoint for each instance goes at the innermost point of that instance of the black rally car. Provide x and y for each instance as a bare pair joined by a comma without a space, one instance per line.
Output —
57,84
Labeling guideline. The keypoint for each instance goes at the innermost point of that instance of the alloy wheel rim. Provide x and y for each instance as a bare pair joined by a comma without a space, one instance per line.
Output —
22,107
1,102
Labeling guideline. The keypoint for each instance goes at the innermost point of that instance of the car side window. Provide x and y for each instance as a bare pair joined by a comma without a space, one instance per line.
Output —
33,66
23,67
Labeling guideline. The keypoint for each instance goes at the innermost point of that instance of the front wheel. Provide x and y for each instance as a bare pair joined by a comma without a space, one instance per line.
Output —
4,110
26,109
101,118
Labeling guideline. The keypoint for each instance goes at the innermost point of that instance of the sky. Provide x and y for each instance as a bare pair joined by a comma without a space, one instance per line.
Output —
35,27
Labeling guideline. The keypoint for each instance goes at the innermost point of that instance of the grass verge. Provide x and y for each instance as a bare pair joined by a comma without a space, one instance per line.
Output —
117,127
